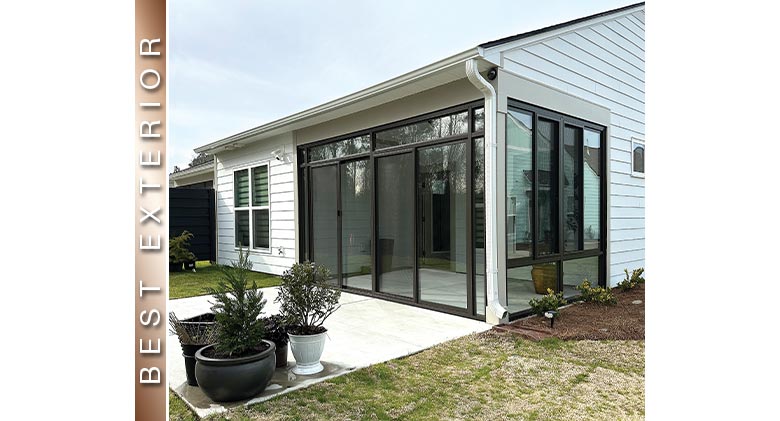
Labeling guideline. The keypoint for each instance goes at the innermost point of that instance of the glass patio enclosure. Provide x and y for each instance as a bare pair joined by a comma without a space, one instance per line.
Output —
397,211
555,204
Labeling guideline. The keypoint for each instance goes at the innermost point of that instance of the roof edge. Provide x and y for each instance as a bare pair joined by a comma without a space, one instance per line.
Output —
195,170
347,99
523,35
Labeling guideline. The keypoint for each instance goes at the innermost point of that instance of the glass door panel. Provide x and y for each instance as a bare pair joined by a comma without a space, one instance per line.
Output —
442,200
547,187
395,224
479,225
324,215
572,180
356,224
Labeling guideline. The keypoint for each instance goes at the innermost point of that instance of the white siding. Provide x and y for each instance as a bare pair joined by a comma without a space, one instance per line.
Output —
602,63
282,204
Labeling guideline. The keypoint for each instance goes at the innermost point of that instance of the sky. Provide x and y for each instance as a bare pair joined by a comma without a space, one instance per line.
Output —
238,64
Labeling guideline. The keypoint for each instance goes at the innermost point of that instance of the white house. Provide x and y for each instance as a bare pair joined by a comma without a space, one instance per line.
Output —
467,186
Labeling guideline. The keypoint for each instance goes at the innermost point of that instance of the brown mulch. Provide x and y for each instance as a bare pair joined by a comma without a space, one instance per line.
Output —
588,320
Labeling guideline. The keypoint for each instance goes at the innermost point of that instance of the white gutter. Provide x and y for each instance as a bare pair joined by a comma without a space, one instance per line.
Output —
495,312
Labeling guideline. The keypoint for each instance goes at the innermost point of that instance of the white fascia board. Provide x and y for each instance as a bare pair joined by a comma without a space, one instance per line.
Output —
415,75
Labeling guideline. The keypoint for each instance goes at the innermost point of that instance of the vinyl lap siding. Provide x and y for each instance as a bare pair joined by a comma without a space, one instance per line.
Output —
281,187
603,63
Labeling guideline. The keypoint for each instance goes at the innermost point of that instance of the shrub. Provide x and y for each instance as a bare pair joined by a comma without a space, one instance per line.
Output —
549,302
236,309
192,333
179,248
632,280
598,295
276,329
306,298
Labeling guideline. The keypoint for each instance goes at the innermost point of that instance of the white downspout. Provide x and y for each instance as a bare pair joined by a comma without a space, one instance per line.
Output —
494,311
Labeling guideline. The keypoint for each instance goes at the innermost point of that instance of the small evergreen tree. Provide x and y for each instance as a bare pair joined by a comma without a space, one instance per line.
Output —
179,248
237,310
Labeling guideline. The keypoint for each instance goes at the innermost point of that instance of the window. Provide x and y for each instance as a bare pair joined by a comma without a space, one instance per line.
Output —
434,128
519,174
252,208
555,201
637,157
341,148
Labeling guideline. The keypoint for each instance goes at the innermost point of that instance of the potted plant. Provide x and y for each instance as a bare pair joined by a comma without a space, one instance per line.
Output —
240,363
276,332
545,276
179,253
194,333
306,302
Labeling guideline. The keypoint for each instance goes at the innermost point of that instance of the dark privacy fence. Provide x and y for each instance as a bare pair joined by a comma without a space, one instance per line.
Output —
193,210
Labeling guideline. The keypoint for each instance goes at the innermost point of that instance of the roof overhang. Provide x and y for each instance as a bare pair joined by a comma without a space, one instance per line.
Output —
204,168
424,78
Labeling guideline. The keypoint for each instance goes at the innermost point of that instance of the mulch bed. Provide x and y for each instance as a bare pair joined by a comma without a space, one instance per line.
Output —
588,320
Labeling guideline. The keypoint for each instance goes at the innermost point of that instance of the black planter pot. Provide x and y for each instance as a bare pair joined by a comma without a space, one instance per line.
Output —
235,379
188,351
174,267
281,356
189,265
197,324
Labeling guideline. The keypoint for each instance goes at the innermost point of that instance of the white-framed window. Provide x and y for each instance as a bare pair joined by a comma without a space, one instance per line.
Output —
252,207
637,157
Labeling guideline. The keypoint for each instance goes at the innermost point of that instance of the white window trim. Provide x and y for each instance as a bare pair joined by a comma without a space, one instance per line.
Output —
639,142
250,208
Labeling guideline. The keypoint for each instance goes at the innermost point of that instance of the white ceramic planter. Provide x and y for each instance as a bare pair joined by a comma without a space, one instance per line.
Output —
307,350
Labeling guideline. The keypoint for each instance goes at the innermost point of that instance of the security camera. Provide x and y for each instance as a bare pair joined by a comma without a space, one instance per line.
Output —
278,154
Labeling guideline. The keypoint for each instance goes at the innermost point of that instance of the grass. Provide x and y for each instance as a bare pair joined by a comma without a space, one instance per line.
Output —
191,284
484,376
178,410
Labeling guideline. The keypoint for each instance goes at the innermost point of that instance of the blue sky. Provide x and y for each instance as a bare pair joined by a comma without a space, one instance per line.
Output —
237,64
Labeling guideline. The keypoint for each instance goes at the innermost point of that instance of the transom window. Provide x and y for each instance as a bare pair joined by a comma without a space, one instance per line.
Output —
252,208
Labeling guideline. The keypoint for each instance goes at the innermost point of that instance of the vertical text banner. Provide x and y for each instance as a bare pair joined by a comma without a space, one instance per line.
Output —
151,224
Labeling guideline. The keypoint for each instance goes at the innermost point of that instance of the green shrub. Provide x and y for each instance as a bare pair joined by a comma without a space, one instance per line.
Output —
632,280
306,298
237,309
549,302
276,330
598,295
179,248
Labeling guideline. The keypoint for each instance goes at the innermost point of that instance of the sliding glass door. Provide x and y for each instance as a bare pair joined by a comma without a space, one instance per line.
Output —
324,218
395,224
355,189
399,210
442,200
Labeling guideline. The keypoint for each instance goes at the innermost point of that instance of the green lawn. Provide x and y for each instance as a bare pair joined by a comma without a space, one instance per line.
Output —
191,284
485,376
178,410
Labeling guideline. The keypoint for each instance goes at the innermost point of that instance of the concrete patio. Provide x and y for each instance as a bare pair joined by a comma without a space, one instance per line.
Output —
364,331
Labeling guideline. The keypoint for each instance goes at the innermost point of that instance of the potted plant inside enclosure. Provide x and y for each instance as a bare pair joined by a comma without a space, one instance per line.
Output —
241,363
179,252
306,302
194,333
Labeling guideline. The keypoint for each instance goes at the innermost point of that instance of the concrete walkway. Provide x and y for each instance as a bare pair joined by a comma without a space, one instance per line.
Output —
364,331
